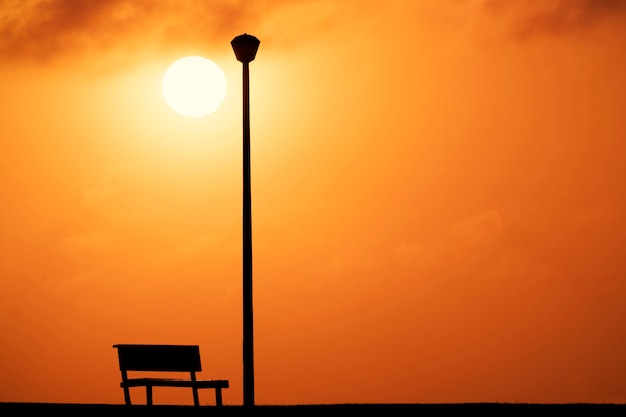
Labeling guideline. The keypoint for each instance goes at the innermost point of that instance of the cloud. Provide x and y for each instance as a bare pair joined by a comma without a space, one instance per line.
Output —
473,243
45,30
196,246
94,196
80,242
556,17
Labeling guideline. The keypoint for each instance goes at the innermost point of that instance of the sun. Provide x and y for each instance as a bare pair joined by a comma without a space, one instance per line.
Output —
194,86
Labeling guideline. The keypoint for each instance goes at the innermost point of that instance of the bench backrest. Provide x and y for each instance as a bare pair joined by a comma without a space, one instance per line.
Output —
163,358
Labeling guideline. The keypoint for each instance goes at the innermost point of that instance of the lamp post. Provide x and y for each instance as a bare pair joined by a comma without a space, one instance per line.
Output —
245,47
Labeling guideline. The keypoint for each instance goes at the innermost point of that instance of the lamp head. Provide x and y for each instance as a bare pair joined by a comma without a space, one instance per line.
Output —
245,47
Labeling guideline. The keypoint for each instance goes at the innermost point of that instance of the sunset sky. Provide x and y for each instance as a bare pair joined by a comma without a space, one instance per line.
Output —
438,199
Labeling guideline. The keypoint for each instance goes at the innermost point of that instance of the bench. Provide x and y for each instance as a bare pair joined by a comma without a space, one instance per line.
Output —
164,358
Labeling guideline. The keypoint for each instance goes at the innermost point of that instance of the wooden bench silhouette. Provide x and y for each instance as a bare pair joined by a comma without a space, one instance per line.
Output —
164,358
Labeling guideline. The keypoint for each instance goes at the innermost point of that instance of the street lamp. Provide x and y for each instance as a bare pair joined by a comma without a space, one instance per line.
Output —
245,47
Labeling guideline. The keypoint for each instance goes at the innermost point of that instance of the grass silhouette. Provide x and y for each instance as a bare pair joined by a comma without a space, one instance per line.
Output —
319,410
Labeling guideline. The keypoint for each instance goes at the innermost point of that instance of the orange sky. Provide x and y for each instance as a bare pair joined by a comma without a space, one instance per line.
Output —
438,208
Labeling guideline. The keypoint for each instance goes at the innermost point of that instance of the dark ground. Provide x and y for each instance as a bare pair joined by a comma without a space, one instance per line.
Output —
352,410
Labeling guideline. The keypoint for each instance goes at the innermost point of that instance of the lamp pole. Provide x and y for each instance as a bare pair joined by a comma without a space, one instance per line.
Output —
245,47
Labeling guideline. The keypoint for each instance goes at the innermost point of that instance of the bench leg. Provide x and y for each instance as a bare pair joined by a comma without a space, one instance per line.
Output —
127,395
196,400
149,394
218,396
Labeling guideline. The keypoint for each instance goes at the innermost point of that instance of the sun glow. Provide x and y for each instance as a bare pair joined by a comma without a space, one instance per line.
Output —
194,86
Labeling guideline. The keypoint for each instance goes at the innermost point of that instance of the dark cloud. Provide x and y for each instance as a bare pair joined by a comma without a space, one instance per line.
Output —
557,17
49,29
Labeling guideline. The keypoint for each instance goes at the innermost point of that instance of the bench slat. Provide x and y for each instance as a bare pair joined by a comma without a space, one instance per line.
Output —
166,382
163,358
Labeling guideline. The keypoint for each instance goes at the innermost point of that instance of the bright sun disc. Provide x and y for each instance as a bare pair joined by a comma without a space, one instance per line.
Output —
194,86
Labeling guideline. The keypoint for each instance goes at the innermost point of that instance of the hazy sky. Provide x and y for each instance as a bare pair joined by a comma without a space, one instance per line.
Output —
437,192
